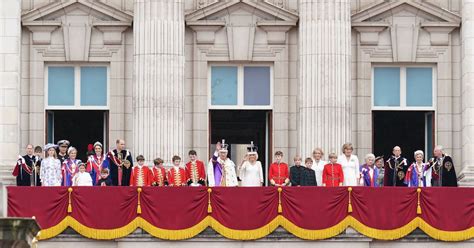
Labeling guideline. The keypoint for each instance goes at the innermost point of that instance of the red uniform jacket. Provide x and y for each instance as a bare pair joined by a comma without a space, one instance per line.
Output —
177,177
196,173
333,175
141,176
279,173
159,177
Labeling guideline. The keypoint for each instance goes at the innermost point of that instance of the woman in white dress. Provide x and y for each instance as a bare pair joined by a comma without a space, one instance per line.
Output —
50,170
318,165
350,165
251,171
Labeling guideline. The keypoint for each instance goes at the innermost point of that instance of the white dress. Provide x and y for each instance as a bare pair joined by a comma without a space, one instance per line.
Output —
82,179
350,169
318,168
251,174
50,172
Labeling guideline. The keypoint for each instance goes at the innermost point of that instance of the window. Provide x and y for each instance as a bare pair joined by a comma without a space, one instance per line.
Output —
387,86
257,85
224,85
77,87
405,87
61,86
240,87
419,87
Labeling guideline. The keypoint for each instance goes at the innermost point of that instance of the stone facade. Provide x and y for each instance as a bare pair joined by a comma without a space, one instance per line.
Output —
172,44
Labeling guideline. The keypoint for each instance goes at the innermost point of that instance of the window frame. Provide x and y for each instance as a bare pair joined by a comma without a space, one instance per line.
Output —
403,87
77,87
240,87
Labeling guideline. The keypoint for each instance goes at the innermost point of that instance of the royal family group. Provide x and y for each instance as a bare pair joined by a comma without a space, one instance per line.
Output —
58,165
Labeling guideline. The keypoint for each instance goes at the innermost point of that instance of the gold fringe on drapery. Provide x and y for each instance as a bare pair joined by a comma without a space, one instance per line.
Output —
381,234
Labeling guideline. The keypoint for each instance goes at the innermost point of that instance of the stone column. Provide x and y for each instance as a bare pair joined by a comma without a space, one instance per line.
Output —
10,17
324,102
158,90
467,93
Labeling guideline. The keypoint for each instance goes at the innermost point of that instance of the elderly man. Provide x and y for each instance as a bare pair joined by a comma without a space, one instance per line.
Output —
221,170
395,169
442,167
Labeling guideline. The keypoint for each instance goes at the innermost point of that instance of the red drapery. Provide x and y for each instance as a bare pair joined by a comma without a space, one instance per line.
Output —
247,213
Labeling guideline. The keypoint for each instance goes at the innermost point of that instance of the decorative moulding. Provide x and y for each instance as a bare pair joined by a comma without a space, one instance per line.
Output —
42,30
369,31
112,31
205,30
439,32
276,30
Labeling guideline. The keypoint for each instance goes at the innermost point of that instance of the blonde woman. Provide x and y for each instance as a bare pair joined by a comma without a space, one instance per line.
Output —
251,171
50,170
350,165
318,165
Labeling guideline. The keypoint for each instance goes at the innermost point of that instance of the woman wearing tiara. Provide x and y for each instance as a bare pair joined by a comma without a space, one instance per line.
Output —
97,162
70,166
251,171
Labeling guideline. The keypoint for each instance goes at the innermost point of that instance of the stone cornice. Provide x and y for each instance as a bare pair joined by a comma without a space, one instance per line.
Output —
386,6
98,6
263,6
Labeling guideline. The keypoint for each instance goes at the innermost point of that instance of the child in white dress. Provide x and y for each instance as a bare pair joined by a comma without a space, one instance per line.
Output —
82,178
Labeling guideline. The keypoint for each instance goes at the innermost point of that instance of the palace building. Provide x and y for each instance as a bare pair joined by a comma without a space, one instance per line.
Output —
172,75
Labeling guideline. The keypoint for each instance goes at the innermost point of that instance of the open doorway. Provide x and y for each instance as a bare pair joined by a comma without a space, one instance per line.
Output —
239,128
80,127
411,130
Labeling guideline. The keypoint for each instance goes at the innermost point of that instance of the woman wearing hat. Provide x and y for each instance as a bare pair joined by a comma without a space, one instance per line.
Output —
50,170
251,170
380,165
369,172
70,166
97,162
